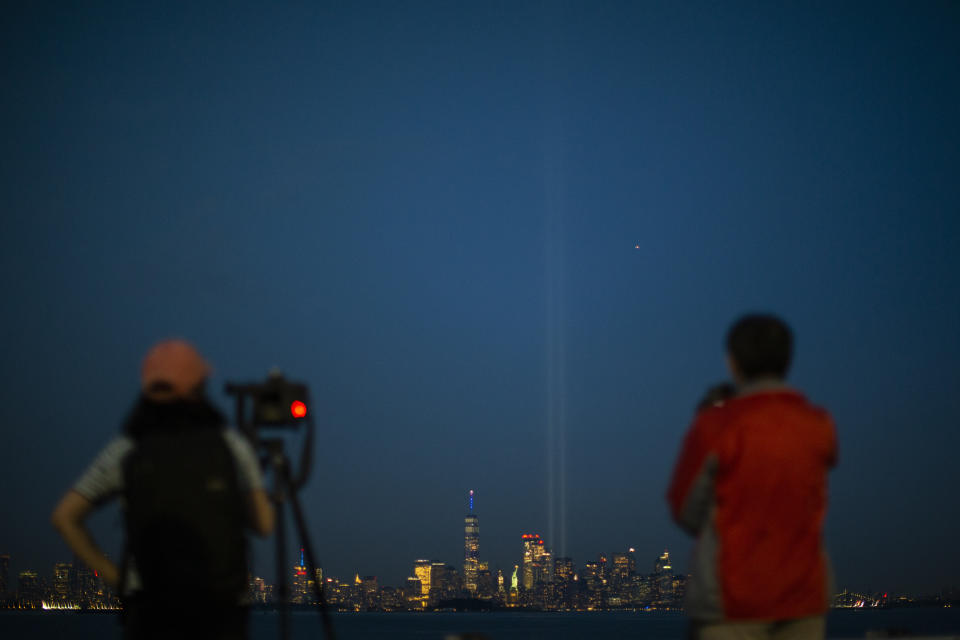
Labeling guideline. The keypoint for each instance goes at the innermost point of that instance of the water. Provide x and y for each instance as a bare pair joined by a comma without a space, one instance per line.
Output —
496,626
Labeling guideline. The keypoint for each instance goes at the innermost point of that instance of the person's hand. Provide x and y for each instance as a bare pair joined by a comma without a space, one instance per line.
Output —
716,396
111,575
68,519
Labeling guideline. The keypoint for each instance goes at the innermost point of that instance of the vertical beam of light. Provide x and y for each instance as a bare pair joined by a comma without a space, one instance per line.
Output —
556,410
551,330
554,201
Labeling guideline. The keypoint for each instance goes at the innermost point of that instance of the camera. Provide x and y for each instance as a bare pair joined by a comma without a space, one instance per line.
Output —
716,396
277,402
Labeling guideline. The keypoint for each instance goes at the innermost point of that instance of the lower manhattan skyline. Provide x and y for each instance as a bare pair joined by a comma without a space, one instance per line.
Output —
538,581
616,580
501,244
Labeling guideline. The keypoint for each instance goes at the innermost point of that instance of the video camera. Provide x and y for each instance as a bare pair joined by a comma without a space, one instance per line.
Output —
716,396
276,403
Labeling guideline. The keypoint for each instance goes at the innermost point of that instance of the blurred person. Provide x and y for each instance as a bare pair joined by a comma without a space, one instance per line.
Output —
189,487
750,483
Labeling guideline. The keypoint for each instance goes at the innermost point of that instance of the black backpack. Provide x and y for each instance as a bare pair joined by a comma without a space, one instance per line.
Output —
185,517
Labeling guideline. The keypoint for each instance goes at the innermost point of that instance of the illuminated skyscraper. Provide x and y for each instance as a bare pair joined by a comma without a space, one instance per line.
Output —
537,567
593,584
564,582
603,566
624,566
369,593
312,583
663,579
258,590
563,570
471,549
486,587
301,583
445,582
421,569
62,572
414,592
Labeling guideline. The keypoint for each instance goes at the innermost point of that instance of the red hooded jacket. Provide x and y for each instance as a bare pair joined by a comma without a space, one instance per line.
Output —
751,484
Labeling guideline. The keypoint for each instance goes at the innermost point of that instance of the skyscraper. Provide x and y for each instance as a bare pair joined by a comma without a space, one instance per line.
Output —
258,590
414,592
471,549
445,582
29,589
485,584
663,579
369,593
84,584
62,573
421,569
624,565
564,577
537,565
300,594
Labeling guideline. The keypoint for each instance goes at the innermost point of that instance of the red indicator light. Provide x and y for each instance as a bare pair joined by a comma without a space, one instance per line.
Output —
298,409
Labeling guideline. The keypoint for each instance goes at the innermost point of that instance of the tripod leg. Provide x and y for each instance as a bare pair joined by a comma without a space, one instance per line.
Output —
311,564
283,590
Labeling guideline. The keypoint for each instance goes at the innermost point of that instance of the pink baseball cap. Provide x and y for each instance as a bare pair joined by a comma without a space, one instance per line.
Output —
176,363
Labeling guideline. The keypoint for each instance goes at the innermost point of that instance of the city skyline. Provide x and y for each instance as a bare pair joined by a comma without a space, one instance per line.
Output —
611,582
536,567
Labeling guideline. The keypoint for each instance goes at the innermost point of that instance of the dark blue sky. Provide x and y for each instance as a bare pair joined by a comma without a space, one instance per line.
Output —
428,212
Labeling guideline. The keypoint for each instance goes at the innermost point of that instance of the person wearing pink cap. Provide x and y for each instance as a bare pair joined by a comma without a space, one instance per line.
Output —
173,369
188,487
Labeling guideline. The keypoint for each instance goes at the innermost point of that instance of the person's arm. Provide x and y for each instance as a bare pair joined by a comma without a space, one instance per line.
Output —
690,494
260,514
68,518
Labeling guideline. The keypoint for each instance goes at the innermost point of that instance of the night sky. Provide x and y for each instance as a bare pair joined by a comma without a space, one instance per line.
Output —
502,243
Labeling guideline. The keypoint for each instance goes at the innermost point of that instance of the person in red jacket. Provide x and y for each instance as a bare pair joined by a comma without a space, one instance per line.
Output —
751,484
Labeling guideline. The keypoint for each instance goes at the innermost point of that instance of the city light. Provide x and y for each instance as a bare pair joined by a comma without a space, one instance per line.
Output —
539,582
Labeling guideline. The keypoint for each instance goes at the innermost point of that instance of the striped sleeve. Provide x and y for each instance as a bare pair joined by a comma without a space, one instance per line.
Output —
248,467
103,479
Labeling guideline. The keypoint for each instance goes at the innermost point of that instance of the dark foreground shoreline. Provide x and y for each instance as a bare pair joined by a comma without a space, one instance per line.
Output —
495,625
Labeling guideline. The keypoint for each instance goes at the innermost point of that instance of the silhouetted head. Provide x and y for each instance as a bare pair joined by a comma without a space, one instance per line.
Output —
173,392
173,370
759,346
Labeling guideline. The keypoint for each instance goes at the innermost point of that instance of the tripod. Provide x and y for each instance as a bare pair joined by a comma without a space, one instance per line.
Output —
270,402
286,491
